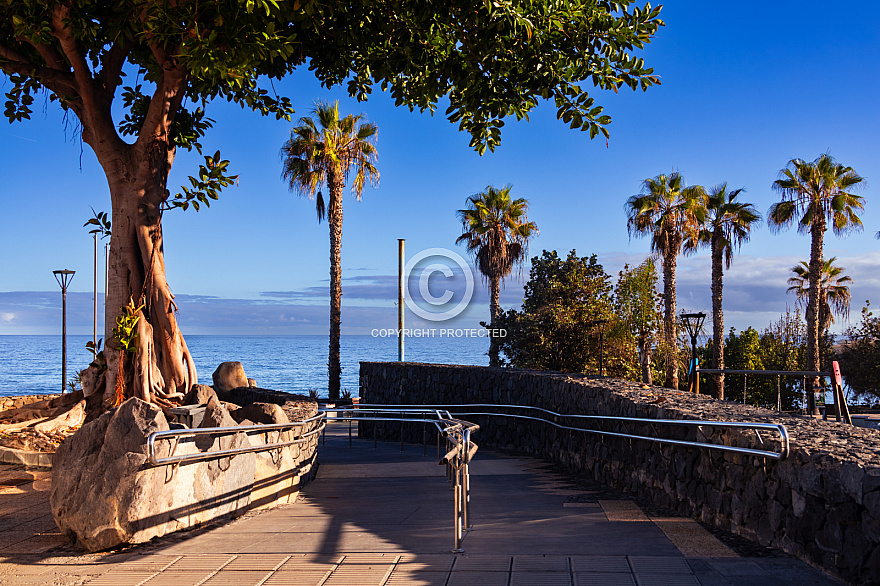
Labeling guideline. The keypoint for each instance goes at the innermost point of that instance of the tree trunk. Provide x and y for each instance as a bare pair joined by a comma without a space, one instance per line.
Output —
816,261
669,324
717,317
495,311
645,359
161,370
336,186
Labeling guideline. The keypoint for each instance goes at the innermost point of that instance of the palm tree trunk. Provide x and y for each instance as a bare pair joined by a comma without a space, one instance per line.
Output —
495,311
669,324
816,263
717,319
336,186
645,358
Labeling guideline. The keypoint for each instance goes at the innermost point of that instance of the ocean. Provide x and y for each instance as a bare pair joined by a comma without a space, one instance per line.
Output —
296,364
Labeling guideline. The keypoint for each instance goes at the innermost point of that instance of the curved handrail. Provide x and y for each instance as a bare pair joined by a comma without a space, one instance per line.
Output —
782,454
216,454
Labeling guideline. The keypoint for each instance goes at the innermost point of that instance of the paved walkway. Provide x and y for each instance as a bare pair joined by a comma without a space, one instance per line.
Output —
382,517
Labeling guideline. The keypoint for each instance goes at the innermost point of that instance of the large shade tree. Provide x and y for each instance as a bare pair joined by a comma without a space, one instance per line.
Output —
727,225
497,231
815,194
326,150
669,212
492,60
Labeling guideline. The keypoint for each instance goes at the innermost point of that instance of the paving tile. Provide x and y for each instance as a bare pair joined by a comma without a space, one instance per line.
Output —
467,578
359,575
211,562
486,563
144,563
399,578
425,563
600,564
661,579
540,579
540,563
256,562
737,567
659,565
603,579
311,562
692,540
245,578
121,579
303,578
172,578
623,511
369,558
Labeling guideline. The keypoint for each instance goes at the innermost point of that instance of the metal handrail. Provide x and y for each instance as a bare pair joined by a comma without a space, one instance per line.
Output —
815,373
773,427
216,454
460,450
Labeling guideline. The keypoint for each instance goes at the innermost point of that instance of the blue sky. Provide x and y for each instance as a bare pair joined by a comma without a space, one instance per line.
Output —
745,87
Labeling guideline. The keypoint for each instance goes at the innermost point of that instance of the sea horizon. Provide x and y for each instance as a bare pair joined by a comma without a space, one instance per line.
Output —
31,363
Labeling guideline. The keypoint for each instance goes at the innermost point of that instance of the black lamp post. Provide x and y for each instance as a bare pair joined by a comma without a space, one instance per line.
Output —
694,324
64,277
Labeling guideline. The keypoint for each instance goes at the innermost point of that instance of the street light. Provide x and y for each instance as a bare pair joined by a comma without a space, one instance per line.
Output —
63,277
694,324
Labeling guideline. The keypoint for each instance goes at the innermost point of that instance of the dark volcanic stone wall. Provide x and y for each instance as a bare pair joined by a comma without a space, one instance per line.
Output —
822,504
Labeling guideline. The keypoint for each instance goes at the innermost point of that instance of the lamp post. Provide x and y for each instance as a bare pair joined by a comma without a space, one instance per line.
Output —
694,324
63,277
400,298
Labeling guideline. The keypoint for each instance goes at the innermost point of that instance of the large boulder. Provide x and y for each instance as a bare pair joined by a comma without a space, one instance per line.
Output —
199,395
266,413
105,493
228,376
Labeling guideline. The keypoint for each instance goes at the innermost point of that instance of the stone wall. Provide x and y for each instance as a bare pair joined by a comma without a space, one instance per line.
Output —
16,401
822,504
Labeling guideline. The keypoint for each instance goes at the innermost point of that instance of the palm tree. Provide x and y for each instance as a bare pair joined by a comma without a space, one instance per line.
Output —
728,224
815,194
670,213
497,232
834,294
325,152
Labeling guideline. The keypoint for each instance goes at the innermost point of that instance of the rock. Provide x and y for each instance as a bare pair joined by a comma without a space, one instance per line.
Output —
252,383
72,418
266,413
228,376
88,380
105,493
199,395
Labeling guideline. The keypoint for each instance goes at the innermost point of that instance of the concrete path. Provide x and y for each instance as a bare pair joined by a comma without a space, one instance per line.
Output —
384,517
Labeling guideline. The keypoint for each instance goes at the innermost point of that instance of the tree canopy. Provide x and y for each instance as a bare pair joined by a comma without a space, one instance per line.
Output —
492,59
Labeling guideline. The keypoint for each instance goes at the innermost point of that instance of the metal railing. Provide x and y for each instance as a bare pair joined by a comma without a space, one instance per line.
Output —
540,414
460,450
802,374
302,432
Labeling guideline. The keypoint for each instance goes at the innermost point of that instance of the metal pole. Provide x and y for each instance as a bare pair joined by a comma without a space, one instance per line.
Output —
400,299
63,339
106,273
95,296
778,393
601,353
694,387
